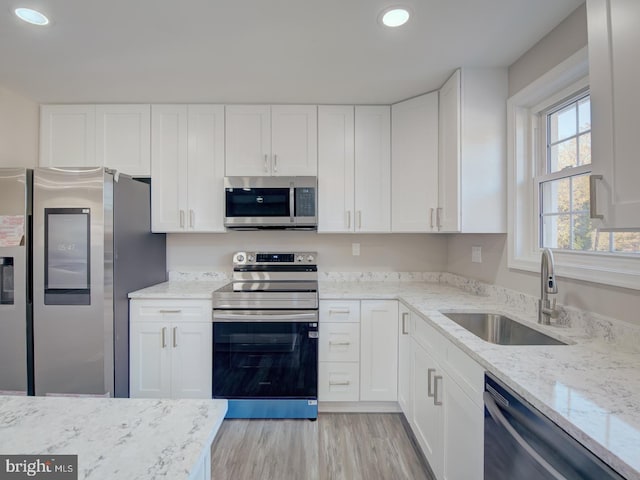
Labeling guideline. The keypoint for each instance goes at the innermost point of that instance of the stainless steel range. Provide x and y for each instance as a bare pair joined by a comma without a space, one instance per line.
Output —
265,336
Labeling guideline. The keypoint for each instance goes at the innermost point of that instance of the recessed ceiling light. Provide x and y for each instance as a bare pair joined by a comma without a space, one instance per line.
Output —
395,16
31,16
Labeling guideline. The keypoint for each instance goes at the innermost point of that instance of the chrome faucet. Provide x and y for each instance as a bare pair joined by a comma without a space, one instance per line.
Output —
547,308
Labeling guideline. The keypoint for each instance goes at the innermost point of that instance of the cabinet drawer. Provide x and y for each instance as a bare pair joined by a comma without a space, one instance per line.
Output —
339,311
339,342
145,310
339,381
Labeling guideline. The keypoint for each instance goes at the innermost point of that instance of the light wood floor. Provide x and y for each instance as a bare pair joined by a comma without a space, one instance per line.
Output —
338,446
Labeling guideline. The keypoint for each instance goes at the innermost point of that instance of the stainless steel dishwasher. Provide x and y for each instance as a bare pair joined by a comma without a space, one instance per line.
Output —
521,443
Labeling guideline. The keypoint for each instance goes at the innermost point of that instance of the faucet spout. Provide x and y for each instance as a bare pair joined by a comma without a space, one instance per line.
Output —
546,308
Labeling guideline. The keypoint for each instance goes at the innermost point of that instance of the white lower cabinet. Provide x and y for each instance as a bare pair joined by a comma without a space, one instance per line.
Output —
170,349
447,415
358,351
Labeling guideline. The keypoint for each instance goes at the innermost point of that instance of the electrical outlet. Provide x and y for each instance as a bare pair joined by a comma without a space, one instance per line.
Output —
355,249
476,254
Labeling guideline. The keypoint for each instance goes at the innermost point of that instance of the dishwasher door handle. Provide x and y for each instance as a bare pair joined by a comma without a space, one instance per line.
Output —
498,417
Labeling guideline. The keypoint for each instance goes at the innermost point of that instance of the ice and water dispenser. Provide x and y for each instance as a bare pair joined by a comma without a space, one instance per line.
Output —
6,281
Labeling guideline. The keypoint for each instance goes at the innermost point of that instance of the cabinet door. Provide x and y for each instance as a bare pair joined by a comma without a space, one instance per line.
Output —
150,372
463,434
67,136
169,168
379,350
191,344
294,140
123,138
614,75
414,164
336,169
427,420
205,185
448,212
404,361
247,140
373,169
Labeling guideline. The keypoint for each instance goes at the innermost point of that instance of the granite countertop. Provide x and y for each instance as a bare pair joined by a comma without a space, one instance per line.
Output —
114,438
590,388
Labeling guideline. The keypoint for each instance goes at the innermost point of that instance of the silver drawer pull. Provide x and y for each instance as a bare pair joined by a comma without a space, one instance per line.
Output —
171,311
339,310
339,343
340,383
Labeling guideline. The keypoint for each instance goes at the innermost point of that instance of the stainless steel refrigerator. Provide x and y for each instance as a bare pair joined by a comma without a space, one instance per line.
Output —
92,245
16,359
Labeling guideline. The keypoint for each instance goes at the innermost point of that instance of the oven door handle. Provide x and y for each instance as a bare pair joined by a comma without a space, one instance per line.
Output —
262,317
498,417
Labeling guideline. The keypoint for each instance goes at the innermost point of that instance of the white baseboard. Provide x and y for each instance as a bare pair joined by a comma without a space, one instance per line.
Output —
359,407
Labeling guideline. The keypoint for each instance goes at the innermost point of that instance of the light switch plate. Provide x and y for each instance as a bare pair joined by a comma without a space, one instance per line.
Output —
476,254
355,249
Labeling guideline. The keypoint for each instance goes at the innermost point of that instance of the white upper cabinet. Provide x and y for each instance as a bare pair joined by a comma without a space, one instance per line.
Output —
472,152
68,136
336,168
113,136
614,75
187,160
264,140
354,168
414,164
372,169
123,138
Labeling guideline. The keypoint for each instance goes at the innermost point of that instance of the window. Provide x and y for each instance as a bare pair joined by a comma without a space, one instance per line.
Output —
549,162
563,183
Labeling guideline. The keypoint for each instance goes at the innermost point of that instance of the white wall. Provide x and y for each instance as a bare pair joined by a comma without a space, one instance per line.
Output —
390,252
624,304
19,127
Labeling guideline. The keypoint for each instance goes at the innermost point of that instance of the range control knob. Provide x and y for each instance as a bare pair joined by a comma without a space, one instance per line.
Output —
299,258
251,258
240,258
310,258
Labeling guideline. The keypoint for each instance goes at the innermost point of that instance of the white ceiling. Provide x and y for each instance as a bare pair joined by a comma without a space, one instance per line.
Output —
259,51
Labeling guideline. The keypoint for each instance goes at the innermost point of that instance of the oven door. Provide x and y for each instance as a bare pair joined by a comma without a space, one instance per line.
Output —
265,354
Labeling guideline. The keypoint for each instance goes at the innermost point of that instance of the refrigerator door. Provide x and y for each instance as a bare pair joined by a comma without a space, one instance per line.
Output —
73,325
15,301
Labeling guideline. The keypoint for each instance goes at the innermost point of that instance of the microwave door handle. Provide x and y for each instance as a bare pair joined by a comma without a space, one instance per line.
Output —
500,419
292,201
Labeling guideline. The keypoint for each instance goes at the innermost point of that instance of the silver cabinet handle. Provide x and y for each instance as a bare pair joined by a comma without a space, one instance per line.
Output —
266,165
348,219
171,311
435,390
275,163
593,206
359,213
164,337
175,337
181,218
340,343
192,218
499,418
404,323
340,383
431,219
339,310
430,372
438,224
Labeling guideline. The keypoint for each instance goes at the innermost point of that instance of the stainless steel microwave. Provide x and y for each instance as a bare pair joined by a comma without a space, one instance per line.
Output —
271,203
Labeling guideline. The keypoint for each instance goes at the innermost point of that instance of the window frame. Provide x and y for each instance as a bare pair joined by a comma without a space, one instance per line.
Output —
523,147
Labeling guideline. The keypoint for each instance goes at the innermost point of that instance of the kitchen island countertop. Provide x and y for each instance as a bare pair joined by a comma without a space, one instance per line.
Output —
114,438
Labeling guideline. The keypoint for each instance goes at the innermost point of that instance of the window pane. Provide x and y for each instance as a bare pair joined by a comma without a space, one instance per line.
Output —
627,242
584,149
580,193
556,231
562,124
584,114
583,232
562,155
601,241
556,195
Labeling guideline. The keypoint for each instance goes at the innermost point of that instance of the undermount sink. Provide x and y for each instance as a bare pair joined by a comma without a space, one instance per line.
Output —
501,330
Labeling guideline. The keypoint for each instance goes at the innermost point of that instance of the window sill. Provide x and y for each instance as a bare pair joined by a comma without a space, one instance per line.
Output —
615,270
